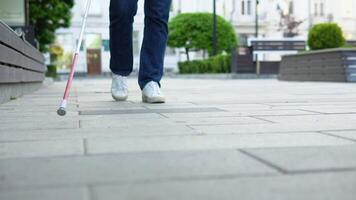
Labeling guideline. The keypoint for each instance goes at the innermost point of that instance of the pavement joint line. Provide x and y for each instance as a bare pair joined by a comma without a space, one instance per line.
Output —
336,136
190,178
85,146
196,130
283,115
262,119
226,124
317,171
90,192
263,161
135,111
38,129
138,182
311,111
163,115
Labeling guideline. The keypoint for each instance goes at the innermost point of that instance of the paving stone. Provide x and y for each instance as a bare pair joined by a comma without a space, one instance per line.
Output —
327,119
307,187
273,128
136,111
264,112
45,194
38,124
311,159
218,120
132,123
181,143
188,148
125,168
113,132
41,148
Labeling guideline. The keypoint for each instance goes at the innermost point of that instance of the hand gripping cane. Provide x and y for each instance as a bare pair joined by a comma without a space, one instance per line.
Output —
62,109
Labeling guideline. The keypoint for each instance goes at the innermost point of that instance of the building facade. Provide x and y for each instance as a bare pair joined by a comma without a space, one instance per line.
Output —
272,17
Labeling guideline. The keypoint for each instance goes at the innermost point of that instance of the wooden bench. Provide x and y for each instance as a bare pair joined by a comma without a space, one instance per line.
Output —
22,67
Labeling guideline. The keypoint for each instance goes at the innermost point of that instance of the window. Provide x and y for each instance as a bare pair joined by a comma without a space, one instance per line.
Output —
316,9
322,9
249,7
243,7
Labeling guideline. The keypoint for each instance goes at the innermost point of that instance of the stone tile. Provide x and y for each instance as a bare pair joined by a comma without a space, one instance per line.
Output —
274,128
132,123
41,148
311,159
113,132
321,119
38,124
307,187
127,168
188,116
274,112
183,143
45,194
241,113
139,111
218,120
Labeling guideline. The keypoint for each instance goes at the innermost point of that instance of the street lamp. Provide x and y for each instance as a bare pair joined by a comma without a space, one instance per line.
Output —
27,12
256,19
256,32
215,36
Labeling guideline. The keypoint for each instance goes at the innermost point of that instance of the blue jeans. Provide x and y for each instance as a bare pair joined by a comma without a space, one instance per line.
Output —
122,14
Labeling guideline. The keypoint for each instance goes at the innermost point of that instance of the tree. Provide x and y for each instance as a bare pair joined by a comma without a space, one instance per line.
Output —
47,16
194,31
325,36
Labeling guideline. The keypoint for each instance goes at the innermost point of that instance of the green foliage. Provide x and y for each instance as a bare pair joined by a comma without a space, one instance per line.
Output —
215,64
51,71
194,31
47,16
325,36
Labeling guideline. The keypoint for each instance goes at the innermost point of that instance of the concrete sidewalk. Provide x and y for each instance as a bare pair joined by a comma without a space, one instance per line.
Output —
213,139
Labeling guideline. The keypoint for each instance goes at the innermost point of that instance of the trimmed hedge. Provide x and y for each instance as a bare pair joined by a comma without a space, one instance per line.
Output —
325,36
216,64
51,71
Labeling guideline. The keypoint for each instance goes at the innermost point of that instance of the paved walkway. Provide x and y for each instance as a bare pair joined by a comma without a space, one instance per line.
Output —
213,139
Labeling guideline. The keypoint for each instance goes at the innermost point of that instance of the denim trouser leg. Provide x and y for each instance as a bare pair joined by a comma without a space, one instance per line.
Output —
122,14
154,41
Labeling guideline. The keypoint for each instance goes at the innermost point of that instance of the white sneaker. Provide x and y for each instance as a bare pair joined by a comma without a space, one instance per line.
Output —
119,89
151,93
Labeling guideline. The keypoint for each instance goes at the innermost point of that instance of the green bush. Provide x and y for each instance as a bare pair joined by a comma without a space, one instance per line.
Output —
216,64
51,71
194,31
325,36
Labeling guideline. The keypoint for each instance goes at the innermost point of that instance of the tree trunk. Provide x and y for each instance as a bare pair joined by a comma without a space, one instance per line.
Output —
187,53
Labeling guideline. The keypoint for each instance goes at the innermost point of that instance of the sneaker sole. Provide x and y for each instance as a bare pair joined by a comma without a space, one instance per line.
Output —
153,100
119,98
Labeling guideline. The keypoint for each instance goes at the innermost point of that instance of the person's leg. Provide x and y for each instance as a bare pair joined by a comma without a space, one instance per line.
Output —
155,41
122,14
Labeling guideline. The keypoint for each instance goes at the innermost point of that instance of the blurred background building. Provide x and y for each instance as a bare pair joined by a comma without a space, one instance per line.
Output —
277,19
